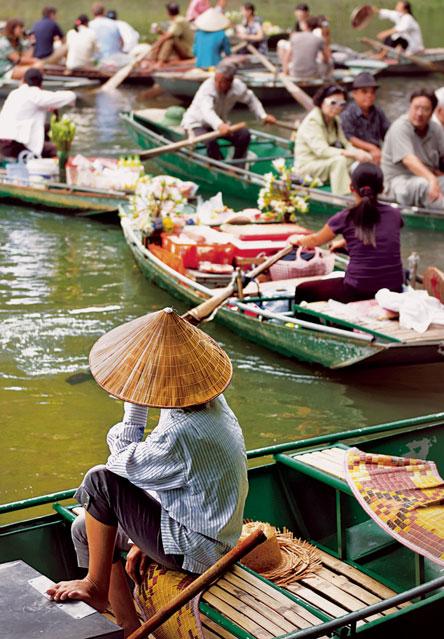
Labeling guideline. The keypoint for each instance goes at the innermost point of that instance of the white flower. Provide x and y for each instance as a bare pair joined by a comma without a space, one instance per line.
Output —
279,164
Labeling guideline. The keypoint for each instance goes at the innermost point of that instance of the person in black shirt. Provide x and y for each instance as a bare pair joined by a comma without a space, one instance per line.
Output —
365,124
45,31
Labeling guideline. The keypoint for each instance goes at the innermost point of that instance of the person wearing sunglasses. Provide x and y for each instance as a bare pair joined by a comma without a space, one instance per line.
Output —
321,149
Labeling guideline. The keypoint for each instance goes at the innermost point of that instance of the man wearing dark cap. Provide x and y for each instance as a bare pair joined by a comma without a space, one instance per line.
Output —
212,105
22,118
364,123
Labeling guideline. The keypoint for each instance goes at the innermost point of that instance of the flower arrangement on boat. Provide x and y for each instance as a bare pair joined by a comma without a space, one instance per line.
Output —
159,204
280,199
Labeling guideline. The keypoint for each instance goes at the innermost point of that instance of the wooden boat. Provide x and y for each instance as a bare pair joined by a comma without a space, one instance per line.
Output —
60,197
244,183
266,86
369,584
141,77
392,67
322,339
51,84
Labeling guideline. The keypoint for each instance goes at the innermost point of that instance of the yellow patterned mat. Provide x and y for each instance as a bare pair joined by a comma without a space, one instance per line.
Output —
404,496
158,588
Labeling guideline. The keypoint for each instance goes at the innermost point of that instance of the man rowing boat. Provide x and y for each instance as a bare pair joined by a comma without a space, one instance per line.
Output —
212,105
194,460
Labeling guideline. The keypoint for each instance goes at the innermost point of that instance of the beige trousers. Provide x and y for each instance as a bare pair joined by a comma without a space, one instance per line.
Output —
334,170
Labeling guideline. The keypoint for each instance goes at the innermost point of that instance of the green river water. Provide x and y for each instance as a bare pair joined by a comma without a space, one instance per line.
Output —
63,282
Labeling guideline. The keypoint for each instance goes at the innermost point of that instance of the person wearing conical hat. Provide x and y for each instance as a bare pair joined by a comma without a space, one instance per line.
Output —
194,461
210,39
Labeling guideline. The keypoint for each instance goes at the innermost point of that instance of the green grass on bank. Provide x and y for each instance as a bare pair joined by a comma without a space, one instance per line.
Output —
140,13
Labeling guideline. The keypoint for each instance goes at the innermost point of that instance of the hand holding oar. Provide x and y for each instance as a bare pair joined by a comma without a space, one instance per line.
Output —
176,146
296,92
199,584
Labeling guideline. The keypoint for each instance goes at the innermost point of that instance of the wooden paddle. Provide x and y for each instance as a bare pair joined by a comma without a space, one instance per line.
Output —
208,309
200,583
176,146
121,75
424,64
285,125
296,92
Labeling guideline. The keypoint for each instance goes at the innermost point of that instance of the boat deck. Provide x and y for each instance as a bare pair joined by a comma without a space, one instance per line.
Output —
384,326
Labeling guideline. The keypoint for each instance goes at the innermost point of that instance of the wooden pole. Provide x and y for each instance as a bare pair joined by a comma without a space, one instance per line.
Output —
199,584
296,92
285,125
176,146
121,75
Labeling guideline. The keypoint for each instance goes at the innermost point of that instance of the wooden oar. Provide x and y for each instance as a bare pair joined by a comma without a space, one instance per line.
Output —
208,309
425,64
121,75
176,146
204,581
285,125
296,92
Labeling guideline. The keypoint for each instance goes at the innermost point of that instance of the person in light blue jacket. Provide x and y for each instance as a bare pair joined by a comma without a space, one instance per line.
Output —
210,40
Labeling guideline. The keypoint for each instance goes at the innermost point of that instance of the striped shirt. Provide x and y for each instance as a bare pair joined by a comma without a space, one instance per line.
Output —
195,460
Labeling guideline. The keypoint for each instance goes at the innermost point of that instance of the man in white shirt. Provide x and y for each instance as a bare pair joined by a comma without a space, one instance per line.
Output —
406,33
438,114
129,35
82,45
107,32
22,118
211,107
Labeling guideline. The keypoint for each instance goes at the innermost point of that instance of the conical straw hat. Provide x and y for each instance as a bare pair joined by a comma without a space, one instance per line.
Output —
160,360
212,20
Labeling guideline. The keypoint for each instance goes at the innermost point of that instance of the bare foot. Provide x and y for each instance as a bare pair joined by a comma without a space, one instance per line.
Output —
83,589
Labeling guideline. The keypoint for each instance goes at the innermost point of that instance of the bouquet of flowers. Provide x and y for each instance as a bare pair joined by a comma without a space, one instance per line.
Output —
270,29
280,199
235,17
159,202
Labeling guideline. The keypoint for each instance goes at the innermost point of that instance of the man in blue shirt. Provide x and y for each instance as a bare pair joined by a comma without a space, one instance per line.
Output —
107,32
45,31
364,123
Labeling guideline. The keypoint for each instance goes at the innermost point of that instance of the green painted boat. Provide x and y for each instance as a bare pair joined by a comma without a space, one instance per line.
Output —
401,592
321,340
244,184
63,198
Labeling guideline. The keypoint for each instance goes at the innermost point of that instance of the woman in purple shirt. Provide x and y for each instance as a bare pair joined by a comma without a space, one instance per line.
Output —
371,232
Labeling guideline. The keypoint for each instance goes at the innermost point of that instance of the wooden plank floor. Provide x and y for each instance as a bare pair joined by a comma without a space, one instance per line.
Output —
388,327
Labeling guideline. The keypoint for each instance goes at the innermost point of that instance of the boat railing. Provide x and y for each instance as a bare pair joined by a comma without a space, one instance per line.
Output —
33,502
433,419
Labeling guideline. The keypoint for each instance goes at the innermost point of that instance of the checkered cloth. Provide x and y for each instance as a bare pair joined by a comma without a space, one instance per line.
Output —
404,496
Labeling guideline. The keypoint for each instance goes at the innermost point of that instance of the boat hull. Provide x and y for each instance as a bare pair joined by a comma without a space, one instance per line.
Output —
280,493
328,350
60,200
244,186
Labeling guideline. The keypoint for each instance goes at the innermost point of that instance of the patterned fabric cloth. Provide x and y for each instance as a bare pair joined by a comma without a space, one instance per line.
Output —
195,461
371,128
158,588
404,496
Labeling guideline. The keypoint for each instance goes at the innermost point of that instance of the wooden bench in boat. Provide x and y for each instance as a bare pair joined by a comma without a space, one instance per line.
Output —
264,610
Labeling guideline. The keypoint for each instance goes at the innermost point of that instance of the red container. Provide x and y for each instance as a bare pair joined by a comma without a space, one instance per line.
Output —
193,252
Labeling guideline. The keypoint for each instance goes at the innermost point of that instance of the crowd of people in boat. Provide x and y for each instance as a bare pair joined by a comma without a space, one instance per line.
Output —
200,36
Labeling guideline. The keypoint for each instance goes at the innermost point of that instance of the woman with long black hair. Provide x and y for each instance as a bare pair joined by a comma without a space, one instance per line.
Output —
371,230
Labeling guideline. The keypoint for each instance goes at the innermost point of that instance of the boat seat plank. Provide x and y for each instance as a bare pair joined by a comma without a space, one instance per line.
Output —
388,327
249,601
315,599
212,630
330,460
237,617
